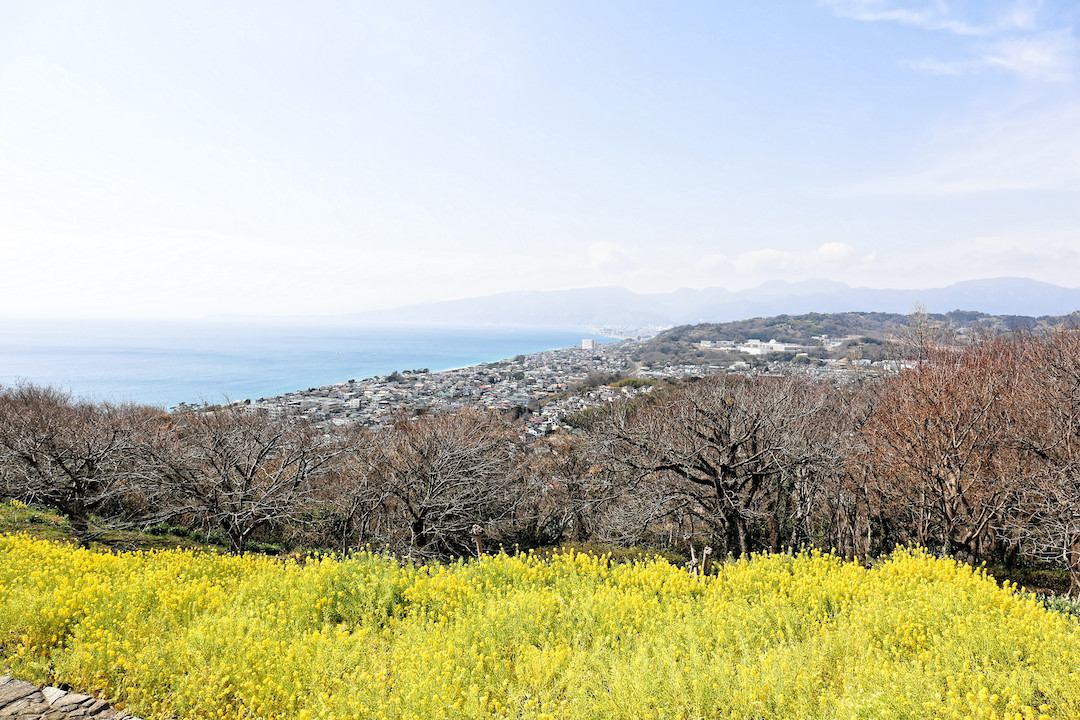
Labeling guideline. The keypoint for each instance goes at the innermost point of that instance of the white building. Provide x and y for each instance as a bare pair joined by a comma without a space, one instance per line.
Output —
756,347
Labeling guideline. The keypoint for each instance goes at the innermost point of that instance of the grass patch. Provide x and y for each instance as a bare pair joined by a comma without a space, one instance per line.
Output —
1038,579
18,517
43,524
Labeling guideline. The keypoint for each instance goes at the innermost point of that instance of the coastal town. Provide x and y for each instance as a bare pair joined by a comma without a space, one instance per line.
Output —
540,385
542,389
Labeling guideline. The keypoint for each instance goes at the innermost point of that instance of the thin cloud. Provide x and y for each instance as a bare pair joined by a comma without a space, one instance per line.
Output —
936,15
830,256
1030,250
1021,16
1047,57
1047,254
712,261
940,67
1010,36
605,255
1013,151
1050,256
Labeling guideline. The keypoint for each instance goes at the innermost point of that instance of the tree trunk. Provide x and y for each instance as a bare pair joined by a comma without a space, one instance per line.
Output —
744,539
80,524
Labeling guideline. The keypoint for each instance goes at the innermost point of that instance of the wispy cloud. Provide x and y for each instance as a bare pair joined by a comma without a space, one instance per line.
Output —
712,261
1039,253
142,272
1005,37
1047,254
1027,250
1011,150
939,15
607,256
1049,57
828,258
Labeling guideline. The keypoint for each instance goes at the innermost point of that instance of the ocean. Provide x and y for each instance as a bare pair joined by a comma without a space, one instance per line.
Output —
166,363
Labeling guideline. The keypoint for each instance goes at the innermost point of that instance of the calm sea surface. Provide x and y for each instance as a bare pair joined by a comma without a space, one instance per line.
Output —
171,362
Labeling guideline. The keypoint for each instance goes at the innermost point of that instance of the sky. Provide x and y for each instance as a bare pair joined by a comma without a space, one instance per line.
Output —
293,158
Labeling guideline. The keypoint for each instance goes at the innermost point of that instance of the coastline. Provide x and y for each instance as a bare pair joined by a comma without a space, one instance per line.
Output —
164,364
521,384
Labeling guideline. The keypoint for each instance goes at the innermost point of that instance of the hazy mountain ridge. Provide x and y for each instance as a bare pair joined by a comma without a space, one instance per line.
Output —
614,306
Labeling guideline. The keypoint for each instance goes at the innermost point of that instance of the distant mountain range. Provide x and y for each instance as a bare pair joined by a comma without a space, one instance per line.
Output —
616,306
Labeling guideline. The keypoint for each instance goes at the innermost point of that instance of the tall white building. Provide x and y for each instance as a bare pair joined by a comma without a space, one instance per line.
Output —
588,344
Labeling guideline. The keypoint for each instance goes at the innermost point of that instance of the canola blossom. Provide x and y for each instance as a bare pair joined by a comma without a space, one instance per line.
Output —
182,634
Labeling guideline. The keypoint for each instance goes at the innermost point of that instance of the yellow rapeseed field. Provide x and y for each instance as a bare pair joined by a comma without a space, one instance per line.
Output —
180,634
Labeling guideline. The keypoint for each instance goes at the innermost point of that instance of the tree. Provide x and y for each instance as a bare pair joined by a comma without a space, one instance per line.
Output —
1046,521
922,334
443,474
848,503
563,491
75,457
355,492
944,442
738,447
239,470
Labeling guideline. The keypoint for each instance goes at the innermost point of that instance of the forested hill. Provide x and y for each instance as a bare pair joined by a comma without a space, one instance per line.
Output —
808,329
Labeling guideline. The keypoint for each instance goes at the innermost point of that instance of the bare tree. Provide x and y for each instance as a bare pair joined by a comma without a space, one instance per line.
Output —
848,507
563,490
355,492
445,473
1046,521
72,456
737,445
239,470
922,335
646,512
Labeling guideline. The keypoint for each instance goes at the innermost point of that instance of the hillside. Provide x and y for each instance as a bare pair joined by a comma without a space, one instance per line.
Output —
866,334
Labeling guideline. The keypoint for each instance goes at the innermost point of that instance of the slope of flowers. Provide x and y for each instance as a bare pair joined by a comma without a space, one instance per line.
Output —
186,635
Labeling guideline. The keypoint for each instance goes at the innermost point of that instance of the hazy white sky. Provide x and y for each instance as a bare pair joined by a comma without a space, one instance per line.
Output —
264,157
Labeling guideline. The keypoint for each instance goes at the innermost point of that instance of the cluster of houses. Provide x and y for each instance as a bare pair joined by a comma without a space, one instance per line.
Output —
542,389
537,385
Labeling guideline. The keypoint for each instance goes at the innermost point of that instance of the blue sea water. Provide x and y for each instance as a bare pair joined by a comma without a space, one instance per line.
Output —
166,363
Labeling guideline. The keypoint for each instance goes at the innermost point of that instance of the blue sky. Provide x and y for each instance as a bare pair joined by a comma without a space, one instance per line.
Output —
289,158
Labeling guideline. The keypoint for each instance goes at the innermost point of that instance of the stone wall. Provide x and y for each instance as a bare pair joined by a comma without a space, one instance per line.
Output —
25,701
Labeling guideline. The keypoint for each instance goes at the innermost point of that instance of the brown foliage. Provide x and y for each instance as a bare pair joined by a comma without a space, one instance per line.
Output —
944,447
